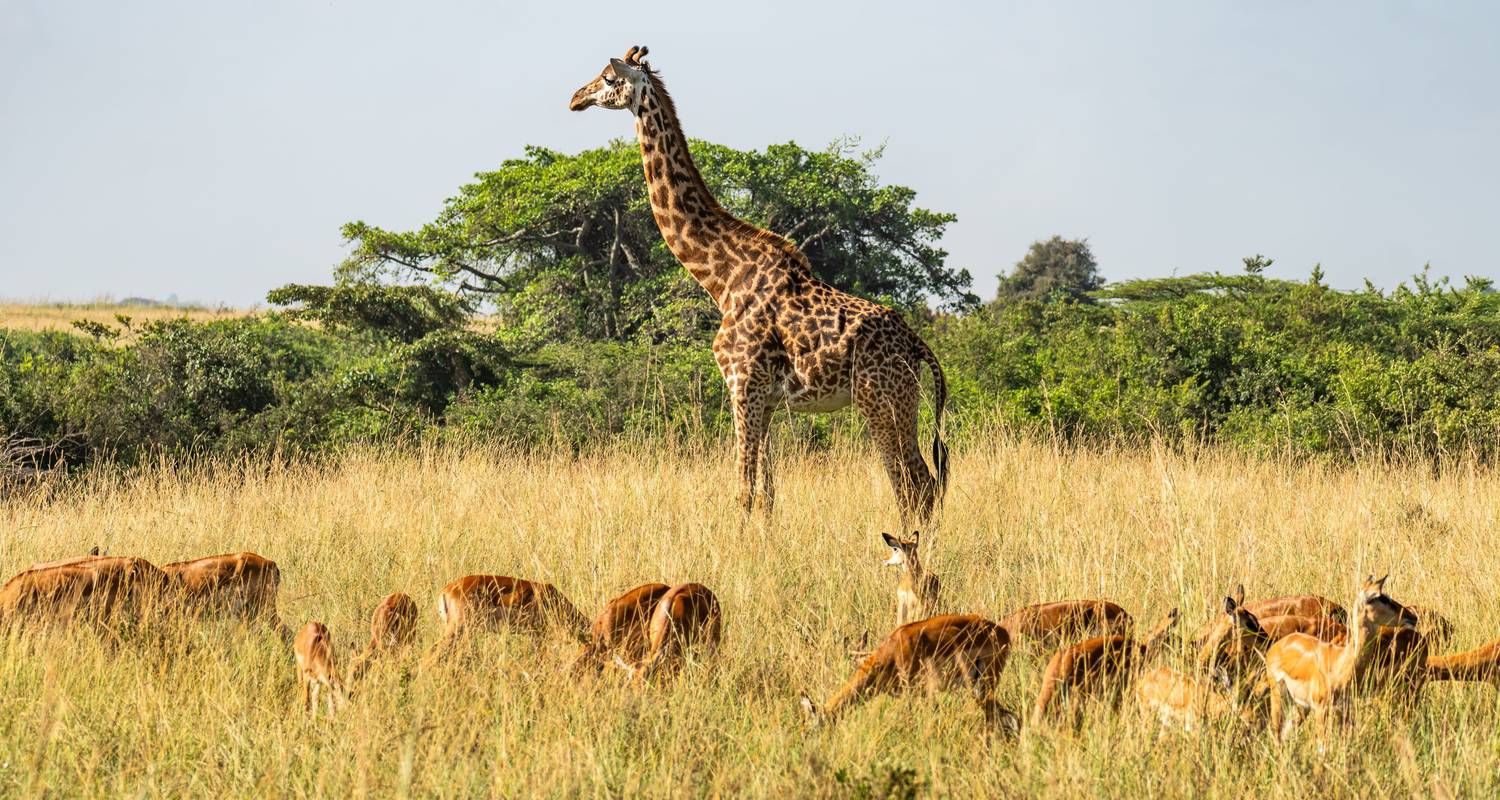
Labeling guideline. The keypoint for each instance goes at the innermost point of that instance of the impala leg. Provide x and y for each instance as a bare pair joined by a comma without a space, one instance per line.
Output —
306,696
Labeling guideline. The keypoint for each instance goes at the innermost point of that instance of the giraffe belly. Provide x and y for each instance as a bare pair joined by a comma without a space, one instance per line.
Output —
814,402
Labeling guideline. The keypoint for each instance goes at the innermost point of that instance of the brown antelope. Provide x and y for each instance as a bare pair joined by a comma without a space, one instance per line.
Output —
1297,605
622,629
316,670
1318,676
1051,625
98,589
1233,652
916,591
240,586
497,601
1480,664
392,627
939,652
1098,666
685,615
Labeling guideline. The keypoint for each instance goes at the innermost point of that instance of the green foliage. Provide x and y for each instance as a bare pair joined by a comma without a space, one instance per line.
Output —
1057,266
403,313
565,247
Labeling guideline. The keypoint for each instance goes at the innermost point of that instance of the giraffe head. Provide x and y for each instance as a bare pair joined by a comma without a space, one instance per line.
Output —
620,85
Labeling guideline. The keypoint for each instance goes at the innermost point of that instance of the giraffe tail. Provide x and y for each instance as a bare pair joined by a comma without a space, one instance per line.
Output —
940,390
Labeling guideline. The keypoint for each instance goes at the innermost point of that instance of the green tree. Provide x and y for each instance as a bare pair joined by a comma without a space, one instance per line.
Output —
1065,267
565,248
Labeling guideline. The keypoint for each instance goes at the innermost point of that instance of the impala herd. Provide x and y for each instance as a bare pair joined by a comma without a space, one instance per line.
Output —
1260,664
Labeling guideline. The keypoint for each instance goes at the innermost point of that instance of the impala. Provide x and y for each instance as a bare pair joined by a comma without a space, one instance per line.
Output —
1098,666
392,627
98,589
1233,652
1319,676
1480,664
685,615
500,602
316,671
240,586
916,591
939,652
1050,625
622,629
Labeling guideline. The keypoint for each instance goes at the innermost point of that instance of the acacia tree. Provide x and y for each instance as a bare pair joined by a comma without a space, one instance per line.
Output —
565,247
1064,267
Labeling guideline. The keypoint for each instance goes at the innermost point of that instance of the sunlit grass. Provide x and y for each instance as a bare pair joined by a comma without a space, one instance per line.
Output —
216,712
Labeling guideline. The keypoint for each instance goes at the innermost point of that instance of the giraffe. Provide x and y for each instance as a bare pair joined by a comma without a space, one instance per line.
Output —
786,339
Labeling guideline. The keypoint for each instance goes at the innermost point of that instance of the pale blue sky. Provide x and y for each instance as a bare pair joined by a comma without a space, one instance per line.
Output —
212,150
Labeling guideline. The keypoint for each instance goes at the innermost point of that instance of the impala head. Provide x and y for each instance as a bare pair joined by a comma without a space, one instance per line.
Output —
1378,608
620,85
903,551
1237,638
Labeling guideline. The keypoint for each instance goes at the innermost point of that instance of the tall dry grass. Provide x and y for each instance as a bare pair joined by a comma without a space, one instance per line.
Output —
60,316
217,714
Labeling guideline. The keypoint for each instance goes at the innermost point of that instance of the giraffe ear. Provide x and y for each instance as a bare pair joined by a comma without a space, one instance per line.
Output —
623,69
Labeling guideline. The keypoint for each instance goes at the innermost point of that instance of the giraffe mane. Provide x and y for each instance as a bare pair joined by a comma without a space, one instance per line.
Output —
737,225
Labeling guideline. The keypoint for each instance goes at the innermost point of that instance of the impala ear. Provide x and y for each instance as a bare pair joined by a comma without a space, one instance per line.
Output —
1230,605
1239,594
891,540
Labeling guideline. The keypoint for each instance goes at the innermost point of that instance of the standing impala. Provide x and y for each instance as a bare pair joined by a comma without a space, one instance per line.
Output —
95,589
392,627
240,586
939,652
316,670
916,591
1320,677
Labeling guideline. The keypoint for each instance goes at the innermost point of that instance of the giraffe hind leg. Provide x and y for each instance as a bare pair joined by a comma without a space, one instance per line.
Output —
887,395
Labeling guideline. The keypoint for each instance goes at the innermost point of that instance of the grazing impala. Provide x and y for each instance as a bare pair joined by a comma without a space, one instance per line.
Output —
686,614
916,591
316,671
1319,676
496,602
939,652
622,629
1232,653
98,589
392,627
1098,666
1052,625
240,586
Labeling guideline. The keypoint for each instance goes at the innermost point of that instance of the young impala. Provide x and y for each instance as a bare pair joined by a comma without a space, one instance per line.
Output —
622,629
1309,606
685,615
316,670
1052,625
1232,654
497,601
1320,677
1103,665
392,628
939,652
916,591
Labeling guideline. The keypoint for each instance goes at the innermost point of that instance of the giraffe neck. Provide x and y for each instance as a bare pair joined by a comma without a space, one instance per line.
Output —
698,231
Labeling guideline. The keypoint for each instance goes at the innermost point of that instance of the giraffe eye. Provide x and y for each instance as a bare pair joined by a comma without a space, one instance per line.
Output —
608,81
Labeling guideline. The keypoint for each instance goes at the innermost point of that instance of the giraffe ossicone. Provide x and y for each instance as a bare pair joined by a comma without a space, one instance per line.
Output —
786,339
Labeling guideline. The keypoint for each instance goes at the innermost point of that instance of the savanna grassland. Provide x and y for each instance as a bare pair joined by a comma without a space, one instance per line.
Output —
214,711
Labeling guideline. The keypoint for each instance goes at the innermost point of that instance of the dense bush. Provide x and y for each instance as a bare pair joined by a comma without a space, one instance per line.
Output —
1272,366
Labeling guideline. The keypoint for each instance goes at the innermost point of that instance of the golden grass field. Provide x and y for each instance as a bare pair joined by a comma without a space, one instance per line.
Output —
60,316
219,714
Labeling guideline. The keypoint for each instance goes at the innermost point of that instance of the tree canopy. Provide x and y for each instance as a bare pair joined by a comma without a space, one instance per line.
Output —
1065,267
564,246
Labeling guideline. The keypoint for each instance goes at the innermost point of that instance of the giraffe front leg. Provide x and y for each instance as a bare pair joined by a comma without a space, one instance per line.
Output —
767,483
